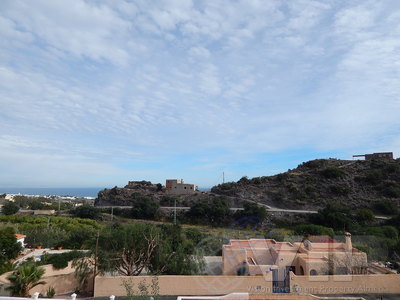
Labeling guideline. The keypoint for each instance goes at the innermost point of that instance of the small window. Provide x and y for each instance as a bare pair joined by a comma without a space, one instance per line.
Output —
185,187
313,272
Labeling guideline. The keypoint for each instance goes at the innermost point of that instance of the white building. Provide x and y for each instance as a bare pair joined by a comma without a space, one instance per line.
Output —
178,187
20,239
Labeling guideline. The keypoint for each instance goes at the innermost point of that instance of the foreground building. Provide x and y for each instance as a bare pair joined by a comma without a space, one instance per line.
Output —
276,259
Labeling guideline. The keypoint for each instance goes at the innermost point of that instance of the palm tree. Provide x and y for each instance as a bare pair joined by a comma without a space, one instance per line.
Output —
24,278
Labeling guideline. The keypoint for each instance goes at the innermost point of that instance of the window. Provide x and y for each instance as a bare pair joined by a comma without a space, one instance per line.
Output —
313,272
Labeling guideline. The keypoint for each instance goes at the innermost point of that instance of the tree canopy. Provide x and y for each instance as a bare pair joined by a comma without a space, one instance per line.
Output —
9,247
10,208
128,249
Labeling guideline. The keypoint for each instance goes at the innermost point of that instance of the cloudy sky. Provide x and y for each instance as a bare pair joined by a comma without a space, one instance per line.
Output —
96,93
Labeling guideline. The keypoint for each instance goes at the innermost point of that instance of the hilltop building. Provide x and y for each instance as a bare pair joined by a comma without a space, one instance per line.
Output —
178,187
379,155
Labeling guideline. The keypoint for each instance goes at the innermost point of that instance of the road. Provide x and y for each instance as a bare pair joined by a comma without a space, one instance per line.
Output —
268,208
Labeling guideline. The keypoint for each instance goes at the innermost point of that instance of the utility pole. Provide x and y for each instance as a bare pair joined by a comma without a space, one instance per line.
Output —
223,177
95,259
112,212
174,210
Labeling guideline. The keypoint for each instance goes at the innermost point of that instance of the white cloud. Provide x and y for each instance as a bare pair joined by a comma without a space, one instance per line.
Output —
79,28
199,52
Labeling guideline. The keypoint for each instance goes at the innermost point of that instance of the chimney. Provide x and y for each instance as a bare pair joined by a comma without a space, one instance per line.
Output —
347,245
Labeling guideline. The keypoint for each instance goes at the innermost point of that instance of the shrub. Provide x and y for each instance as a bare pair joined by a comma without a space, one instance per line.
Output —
364,216
313,164
60,261
333,172
333,215
312,229
214,213
51,292
282,177
390,189
387,207
244,180
374,177
256,180
86,212
145,208
10,208
339,190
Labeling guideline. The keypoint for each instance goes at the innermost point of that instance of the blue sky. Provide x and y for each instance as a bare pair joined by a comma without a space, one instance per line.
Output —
96,93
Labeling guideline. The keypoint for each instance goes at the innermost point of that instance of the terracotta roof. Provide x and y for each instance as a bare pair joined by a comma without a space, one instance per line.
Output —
19,236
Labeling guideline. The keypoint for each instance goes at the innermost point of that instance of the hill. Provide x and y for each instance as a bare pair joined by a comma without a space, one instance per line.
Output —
313,184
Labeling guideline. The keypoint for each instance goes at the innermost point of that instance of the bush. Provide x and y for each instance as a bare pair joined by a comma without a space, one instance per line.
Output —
311,229
10,208
391,191
244,180
333,215
256,180
145,208
364,216
339,190
313,164
282,177
86,212
333,172
374,177
60,261
214,213
387,207
51,292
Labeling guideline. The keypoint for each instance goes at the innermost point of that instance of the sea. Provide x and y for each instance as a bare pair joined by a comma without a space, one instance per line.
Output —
73,192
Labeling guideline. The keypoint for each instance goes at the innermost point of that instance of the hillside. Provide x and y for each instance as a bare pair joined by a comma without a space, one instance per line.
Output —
357,183
311,185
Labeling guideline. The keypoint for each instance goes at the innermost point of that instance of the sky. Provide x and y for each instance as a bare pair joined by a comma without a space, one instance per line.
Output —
96,93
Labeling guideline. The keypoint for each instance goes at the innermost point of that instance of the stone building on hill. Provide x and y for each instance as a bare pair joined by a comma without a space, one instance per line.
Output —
178,187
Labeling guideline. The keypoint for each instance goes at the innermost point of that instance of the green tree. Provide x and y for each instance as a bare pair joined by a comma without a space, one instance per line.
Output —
214,212
145,208
9,247
251,209
364,217
175,254
86,212
24,278
10,208
333,215
128,249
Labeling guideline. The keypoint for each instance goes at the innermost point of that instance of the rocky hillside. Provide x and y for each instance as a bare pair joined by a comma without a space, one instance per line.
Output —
312,184
127,195
135,190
